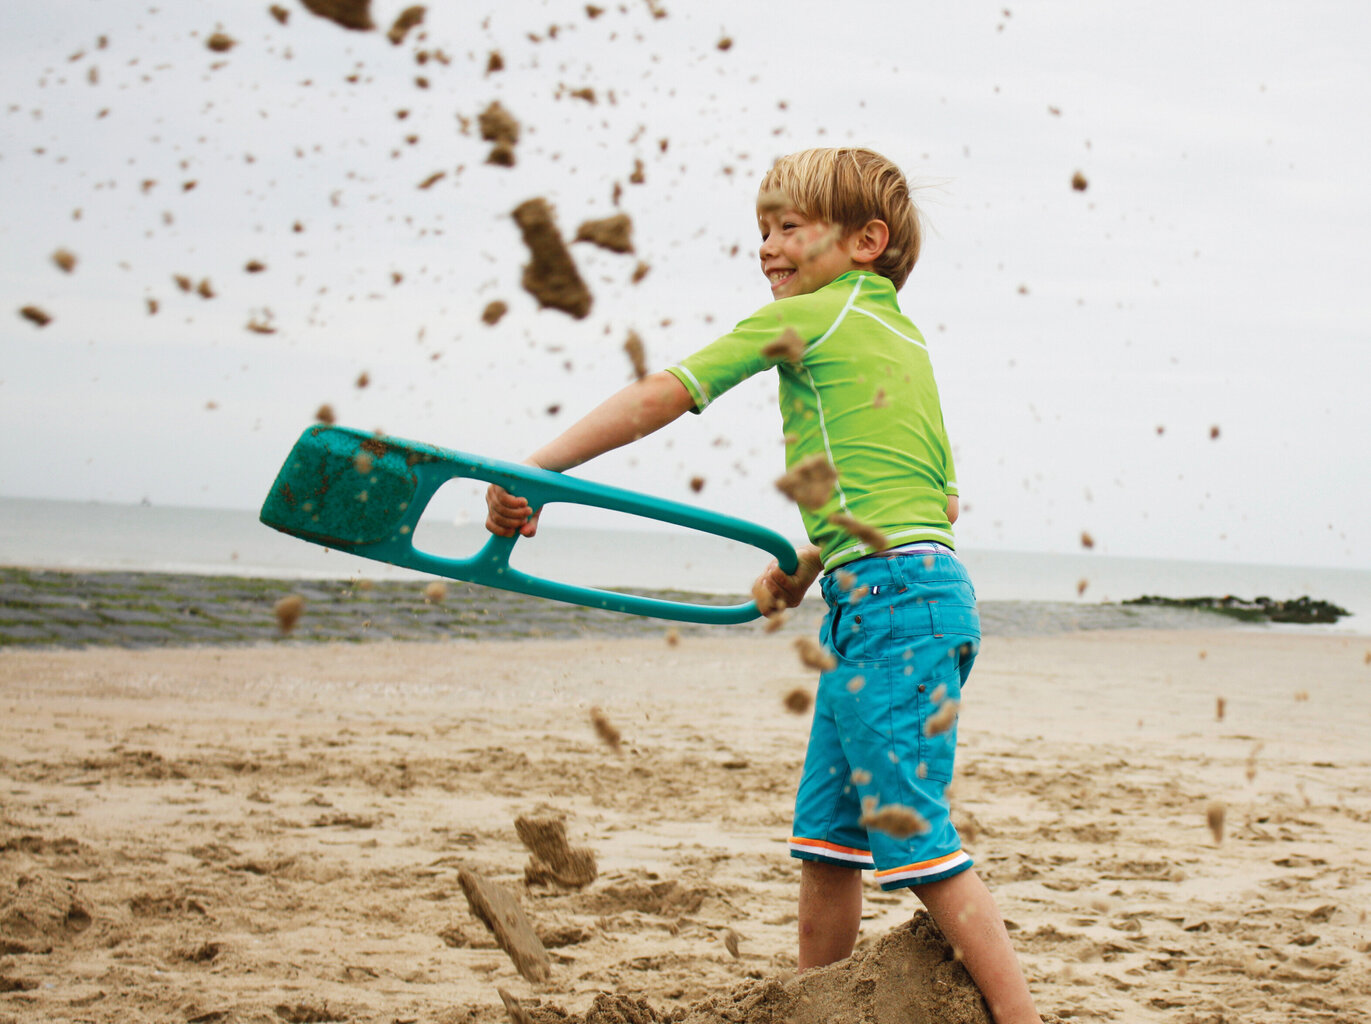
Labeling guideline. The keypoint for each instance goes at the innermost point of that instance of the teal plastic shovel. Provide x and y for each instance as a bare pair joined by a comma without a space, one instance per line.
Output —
365,493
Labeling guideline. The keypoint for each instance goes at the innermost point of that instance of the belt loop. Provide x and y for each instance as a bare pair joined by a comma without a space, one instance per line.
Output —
935,618
894,564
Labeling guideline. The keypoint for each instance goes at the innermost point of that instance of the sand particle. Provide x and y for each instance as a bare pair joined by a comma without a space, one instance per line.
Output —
494,311
288,611
810,481
1220,705
942,719
324,414
279,13
221,42
550,276
1078,182
254,266
731,942
351,14
1087,541
499,126
673,636
435,592
1214,433
855,684
204,289
798,701
65,260
637,356
363,379
614,233
1215,814
868,535
433,179
814,656
605,729
363,463
697,484
514,1009
640,272
404,21
789,347
36,315
894,820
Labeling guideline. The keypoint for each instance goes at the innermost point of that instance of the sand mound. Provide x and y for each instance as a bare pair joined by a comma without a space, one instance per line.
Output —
41,909
907,976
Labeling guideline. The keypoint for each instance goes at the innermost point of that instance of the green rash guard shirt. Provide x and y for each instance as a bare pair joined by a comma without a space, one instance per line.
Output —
862,395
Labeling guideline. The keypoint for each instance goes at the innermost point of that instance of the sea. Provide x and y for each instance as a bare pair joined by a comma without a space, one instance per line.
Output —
90,536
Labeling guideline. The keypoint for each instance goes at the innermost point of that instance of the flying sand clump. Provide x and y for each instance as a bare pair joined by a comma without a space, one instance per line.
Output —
550,276
810,482
351,14
788,347
605,729
613,233
864,532
895,820
814,656
500,127
288,611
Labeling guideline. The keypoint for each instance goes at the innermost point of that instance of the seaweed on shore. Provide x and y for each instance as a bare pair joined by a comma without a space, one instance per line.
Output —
1303,610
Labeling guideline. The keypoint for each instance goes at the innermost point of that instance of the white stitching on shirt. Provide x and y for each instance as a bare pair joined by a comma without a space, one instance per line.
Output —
892,330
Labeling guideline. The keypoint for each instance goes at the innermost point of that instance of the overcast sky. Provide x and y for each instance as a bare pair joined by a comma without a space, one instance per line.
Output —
1088,344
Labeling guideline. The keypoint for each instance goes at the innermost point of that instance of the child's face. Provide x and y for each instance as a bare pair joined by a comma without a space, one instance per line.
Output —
799,254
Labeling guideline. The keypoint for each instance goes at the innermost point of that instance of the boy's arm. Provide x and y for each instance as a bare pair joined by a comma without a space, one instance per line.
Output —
954,508
636,411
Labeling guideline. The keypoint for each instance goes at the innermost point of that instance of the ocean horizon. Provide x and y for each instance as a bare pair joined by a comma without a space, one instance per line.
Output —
94,536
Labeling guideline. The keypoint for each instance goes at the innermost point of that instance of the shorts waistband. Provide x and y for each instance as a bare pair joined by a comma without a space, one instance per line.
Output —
918,547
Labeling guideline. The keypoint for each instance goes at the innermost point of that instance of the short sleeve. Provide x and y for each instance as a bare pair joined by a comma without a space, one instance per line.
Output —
728,361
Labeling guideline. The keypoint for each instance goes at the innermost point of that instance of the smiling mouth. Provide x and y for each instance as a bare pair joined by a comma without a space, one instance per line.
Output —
779,277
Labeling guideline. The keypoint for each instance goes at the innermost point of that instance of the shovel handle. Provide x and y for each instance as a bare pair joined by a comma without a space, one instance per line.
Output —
418,470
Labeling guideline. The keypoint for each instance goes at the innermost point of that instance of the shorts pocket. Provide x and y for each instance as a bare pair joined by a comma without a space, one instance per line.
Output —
860,633
939,705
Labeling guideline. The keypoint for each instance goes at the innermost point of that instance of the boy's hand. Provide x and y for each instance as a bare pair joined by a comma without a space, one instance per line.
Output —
775,590
507,513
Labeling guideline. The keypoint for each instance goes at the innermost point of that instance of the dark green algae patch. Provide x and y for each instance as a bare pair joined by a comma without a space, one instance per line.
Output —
48,608
1301,610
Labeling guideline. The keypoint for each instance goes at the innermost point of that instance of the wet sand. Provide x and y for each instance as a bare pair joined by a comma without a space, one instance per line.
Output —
276,833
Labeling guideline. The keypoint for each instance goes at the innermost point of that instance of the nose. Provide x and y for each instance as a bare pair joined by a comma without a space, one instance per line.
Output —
768,246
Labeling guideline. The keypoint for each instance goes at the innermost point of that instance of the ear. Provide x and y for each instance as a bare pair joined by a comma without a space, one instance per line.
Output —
869,241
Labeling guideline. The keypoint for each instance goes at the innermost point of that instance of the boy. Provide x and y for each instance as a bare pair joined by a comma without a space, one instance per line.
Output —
839,236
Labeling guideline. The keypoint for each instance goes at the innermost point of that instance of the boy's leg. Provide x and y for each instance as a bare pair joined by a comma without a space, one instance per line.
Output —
830,912
966,912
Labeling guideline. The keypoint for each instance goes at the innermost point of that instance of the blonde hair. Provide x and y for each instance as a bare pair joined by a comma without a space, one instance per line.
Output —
848,187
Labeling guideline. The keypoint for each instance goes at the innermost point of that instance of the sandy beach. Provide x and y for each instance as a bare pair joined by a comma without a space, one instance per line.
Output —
276,833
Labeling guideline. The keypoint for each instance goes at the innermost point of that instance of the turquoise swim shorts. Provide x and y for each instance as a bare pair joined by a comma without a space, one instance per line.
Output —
904,631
